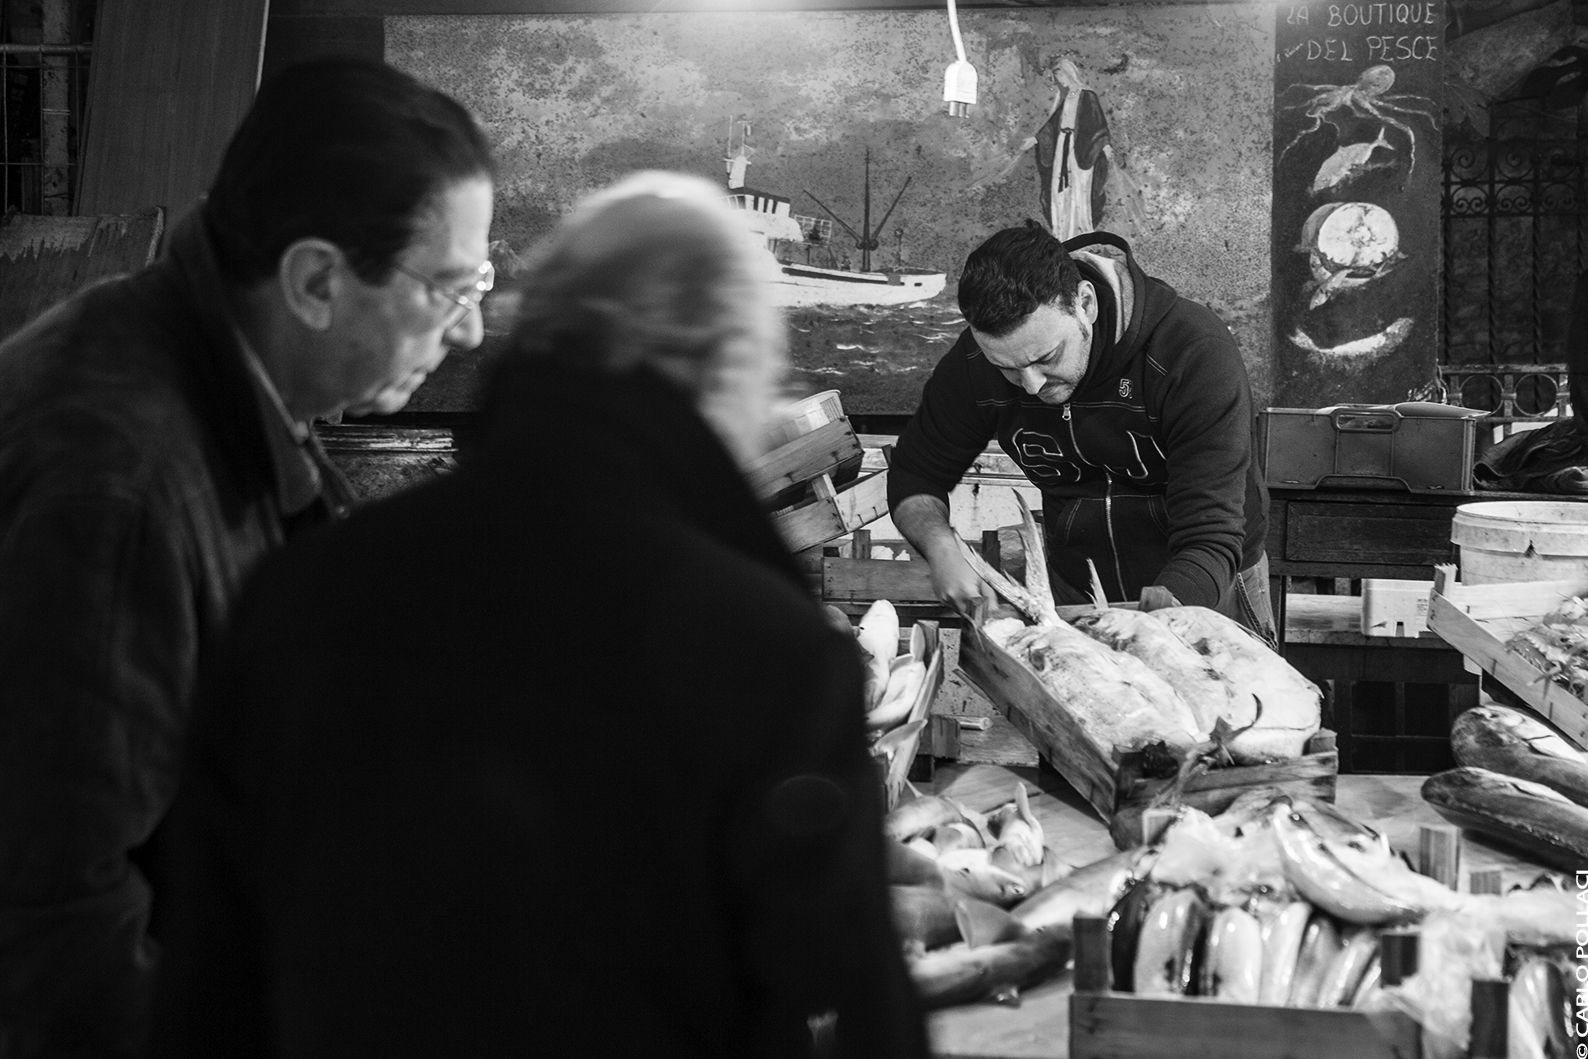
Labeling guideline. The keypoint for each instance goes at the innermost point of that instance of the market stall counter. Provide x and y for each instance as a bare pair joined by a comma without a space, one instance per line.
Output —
1040,1025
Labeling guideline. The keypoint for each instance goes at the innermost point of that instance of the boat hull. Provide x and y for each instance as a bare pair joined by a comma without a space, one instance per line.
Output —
803,285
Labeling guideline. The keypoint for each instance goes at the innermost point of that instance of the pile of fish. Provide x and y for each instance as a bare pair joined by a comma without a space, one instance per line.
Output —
894,682
1558,645
1280,900
953,872
1518,782
1182,676
1177,675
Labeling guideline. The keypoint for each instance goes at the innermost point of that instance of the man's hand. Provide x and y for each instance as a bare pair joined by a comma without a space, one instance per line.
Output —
957,584
923,521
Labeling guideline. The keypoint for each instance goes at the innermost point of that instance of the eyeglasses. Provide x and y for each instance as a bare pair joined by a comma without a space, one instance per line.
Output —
464,297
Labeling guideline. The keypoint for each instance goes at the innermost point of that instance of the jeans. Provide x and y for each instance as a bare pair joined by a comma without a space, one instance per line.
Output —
1253,608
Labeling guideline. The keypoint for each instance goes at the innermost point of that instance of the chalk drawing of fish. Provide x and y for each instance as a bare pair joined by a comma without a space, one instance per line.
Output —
1349,163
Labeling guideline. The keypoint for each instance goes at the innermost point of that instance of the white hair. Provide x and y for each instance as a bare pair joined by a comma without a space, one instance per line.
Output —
659,270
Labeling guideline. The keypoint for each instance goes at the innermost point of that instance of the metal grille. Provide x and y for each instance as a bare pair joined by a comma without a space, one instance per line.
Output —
1516,237
43,88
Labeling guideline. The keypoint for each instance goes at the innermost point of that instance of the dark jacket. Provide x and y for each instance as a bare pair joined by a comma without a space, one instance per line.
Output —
142,475
1148,468
553,756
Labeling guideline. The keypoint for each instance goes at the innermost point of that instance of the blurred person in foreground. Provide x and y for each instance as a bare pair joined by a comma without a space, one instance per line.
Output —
154,446
589,778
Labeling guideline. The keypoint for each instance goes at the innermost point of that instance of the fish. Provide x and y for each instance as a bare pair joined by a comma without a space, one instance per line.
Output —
1517,812
1035,876
1349,163
1385,341
1272,707
1512,743
1232,966
981,923
878,631
902,690
920,815
1367,890
1092,888
950,837
1141,634
906,866
960,974
1540,1016
1119,703
1319,945
1125,920
972,871
1018,830
1165,951
878,637
1347,969
1282,935
1539,918
892,742
925,915
1372,979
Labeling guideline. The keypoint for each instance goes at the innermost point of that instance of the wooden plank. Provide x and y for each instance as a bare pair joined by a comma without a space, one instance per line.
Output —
1031,708
45,259
870,579
1553,702
823,450
1124,1026
170,82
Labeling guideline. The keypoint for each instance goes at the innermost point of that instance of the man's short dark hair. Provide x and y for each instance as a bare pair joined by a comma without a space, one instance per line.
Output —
1006,278
348,150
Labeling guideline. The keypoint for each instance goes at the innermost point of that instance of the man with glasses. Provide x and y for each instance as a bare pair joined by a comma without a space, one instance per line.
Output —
154,446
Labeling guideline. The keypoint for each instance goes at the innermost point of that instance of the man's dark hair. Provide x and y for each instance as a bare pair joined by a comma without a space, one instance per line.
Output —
347,150
1006,278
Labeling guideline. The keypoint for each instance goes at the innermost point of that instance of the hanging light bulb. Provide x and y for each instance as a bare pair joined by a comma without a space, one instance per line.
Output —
959,80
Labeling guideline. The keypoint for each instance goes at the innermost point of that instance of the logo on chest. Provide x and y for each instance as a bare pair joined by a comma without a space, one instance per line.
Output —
1124,387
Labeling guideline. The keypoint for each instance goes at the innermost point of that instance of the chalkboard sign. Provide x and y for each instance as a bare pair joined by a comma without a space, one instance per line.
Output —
1358,88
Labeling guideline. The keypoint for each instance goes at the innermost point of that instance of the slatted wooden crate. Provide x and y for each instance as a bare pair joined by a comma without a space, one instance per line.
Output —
1477,620
1112,782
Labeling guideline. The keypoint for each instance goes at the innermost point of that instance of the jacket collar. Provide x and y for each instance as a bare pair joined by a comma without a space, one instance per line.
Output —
254,424
1122,295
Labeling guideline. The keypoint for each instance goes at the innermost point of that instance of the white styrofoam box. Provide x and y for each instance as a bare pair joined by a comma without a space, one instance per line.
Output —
1392,607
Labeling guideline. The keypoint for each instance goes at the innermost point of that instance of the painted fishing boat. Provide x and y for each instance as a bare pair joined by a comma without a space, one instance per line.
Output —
801,284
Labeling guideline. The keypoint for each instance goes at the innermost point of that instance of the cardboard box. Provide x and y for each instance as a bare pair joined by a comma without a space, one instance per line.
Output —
1416,446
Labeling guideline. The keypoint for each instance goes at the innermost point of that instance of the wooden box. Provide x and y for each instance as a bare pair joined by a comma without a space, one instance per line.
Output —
810,483
1126,1026
1477,620
1113,782
896,768
833,511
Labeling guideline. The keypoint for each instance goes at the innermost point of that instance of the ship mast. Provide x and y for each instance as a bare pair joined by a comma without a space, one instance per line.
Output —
865,220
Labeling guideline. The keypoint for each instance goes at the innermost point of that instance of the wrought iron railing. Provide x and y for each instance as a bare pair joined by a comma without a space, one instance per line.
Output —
43,96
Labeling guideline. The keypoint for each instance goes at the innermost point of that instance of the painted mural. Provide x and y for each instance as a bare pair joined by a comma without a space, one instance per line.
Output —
1356,207
829,129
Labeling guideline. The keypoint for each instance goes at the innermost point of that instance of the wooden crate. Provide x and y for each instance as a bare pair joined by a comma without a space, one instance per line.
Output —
833,511
1113,782
1477,620
1112,1025
783,477
894,775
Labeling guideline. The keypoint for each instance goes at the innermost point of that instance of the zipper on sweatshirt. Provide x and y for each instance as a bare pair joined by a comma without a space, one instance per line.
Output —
1108,520
1108,503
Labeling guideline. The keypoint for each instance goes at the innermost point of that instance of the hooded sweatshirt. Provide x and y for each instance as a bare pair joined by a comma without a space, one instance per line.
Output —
1147,470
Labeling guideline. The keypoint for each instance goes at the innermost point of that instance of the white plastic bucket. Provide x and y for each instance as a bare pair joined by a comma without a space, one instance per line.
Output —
798,418
1530,540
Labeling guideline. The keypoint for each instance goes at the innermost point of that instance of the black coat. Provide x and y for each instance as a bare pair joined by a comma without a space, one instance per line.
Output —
554,756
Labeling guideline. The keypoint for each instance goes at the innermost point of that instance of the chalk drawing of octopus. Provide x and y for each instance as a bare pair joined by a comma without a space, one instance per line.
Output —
1367,98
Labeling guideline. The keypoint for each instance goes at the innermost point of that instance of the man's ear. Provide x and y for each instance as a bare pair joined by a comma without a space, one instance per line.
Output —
310,277
1086,300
